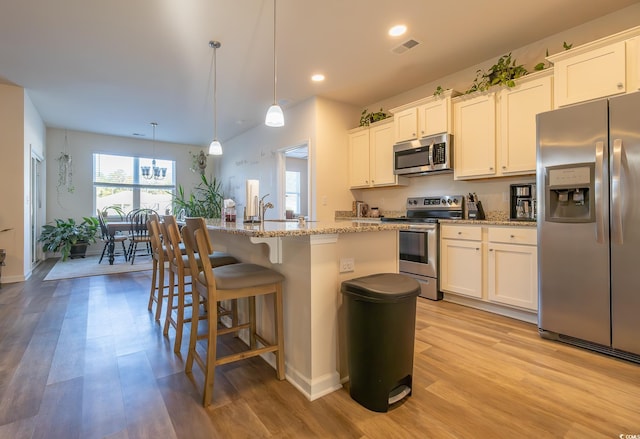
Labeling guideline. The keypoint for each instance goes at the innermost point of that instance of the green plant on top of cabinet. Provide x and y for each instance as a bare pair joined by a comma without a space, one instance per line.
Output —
371,156
495,132
423,118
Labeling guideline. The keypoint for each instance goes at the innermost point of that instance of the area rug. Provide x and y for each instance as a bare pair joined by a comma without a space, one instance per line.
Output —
89,267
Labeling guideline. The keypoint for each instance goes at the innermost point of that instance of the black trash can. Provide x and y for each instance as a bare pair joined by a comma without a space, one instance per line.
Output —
381,320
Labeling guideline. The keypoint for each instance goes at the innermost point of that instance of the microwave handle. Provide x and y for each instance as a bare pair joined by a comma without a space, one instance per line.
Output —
431,153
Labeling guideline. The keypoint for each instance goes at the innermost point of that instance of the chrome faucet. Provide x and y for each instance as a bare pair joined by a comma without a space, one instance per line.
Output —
262,207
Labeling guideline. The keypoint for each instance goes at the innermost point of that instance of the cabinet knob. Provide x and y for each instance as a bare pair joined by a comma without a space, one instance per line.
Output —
620,85
490,169
504,167
512,236
459,233
490,249
477,248
413,134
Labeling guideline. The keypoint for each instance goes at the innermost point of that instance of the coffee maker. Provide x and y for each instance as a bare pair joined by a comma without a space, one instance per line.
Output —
523,206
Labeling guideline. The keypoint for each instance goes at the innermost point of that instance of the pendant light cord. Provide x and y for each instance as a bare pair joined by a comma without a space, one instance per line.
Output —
274,54
215,94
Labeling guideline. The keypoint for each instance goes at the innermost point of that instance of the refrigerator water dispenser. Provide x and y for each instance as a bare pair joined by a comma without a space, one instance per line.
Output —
569,193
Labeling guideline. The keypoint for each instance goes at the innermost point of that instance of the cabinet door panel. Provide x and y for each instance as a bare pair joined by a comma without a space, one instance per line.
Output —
519,107
381,171
359,159
475,137
512,275
406,125
461,267
597,73
433,118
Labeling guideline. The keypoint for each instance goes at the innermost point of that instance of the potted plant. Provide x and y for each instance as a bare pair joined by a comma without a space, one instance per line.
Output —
206,200
68,237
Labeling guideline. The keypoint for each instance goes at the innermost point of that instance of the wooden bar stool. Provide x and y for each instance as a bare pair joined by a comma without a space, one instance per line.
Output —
180,274
160,257
242,280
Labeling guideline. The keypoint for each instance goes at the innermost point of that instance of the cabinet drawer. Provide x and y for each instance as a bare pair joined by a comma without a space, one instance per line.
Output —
513,235
471,233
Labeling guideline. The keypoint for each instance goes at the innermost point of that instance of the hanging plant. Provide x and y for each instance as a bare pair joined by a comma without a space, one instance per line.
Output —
198,162
65,173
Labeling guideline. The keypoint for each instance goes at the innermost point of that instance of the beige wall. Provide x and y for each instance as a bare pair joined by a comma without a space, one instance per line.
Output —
81,146
254,155
12,180
492,192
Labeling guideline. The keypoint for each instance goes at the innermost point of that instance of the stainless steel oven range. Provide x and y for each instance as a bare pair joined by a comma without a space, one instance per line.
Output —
419,245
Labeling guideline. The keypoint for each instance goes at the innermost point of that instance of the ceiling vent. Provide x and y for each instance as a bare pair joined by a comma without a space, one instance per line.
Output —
402,48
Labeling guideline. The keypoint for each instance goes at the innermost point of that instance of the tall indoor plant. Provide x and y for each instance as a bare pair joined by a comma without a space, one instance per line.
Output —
69,237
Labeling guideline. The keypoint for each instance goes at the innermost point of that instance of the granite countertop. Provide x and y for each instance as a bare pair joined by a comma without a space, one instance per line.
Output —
491,222
281,228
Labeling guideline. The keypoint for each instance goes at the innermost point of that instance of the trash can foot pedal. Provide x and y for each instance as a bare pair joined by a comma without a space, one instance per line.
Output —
398,393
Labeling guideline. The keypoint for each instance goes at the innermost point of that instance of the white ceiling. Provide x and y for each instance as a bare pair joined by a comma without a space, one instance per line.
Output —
114,66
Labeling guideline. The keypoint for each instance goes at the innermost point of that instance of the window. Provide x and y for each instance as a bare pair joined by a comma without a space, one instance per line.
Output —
118,181
292,191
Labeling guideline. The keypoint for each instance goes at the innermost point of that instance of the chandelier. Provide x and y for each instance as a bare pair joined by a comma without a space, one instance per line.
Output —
153,172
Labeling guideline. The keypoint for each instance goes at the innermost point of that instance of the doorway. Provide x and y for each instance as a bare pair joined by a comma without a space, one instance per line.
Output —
294,183
36,212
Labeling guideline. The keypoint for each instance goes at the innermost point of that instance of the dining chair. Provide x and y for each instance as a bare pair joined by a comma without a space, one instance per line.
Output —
180,275
228,282
138,233
109,239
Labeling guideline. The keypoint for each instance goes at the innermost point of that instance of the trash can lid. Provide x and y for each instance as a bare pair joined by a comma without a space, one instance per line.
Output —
381,287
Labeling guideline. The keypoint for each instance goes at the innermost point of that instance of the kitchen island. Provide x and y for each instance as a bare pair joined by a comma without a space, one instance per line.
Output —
315,258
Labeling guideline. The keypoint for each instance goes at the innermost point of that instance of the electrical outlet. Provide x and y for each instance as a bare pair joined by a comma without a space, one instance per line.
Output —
347,265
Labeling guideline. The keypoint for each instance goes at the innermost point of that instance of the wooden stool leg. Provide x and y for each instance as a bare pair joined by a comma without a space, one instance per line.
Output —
177,344
193,337
279,322
160,291
252,322
154,271
210,368
168,314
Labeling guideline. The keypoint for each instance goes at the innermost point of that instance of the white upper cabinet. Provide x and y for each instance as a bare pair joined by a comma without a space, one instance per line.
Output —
474,138
371,156
423,118
518,109
406,125
604,67
495,131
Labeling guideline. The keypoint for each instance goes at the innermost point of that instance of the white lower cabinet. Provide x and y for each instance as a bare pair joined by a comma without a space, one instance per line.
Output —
501,259
461,260
512,268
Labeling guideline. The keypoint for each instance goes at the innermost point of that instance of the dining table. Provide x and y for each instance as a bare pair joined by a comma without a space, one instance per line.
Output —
113,227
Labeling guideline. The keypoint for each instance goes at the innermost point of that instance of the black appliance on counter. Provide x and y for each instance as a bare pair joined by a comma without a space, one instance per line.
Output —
419,246
522,202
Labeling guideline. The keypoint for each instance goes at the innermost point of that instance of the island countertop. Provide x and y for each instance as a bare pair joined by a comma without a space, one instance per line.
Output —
282,228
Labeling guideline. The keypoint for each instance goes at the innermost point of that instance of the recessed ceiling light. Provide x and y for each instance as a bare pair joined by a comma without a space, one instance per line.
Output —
397,30
317,77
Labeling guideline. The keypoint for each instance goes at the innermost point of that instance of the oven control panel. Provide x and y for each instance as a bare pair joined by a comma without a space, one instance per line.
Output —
453,202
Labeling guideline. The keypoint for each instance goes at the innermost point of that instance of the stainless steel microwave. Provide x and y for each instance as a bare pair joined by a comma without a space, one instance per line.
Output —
424,156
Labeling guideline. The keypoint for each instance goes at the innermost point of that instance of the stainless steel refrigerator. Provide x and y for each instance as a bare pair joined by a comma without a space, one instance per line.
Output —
588,184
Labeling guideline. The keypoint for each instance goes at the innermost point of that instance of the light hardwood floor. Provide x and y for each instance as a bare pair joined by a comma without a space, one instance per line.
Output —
83,358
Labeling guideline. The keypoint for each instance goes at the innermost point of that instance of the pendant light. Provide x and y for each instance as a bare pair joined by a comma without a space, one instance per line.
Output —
215,148
153,172
275,117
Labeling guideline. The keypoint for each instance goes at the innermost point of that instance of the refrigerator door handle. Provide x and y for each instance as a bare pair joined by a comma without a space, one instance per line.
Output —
616,197
599,188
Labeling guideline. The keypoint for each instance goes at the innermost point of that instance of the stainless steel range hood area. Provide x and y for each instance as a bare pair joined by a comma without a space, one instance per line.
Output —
423,156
